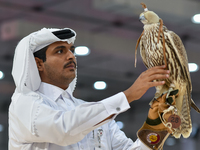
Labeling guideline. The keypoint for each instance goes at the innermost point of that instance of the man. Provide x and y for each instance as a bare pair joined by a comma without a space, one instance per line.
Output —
44,115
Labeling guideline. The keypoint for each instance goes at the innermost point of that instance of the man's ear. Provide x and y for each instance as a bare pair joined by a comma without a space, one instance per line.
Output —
39,63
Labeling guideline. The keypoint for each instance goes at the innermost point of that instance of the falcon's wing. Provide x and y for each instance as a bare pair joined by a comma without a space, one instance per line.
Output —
182,57
180,54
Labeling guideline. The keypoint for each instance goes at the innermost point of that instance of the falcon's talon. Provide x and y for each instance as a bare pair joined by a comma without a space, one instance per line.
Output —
154,99
151,102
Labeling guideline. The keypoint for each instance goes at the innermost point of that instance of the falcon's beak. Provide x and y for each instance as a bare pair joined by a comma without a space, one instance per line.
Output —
142,18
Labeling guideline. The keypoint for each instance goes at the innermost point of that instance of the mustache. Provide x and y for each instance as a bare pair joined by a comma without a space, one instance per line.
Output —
70,62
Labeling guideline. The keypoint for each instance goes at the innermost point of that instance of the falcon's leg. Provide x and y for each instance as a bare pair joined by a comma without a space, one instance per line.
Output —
157,94
160,90
171,91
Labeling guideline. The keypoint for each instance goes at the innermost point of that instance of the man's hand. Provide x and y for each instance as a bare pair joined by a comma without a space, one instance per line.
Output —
158,106
144,82
157,126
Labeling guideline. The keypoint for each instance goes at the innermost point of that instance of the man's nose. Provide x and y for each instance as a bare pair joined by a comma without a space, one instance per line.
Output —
70,55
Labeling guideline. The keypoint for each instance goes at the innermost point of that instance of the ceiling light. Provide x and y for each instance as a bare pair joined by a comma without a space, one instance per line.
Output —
193,67
82,51
1,75
100,85
196,18
120,124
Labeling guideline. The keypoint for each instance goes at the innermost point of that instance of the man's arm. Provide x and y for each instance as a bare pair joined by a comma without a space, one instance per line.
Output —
143,83
38,122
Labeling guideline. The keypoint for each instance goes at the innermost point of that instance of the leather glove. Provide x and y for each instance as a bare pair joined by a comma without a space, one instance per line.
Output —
160,121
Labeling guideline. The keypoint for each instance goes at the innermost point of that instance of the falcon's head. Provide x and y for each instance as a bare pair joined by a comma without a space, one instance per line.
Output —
149,17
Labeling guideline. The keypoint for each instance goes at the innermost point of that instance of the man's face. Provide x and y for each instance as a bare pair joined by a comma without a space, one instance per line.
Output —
60,66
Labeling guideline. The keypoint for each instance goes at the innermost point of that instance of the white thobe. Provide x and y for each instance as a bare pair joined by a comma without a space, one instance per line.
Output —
52,119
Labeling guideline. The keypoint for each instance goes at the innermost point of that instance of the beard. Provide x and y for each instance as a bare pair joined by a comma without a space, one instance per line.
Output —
61,78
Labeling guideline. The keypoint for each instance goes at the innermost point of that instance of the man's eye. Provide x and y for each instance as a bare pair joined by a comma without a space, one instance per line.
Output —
72,50
60,51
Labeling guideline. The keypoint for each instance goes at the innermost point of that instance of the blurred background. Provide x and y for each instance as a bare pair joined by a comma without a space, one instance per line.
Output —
107,31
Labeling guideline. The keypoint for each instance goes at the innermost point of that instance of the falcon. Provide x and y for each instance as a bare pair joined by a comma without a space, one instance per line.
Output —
160,46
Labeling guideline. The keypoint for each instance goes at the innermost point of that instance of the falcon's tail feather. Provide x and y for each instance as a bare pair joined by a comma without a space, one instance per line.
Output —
186,124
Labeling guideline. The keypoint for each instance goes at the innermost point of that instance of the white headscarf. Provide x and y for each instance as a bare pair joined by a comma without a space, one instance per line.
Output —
24,71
